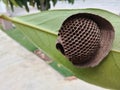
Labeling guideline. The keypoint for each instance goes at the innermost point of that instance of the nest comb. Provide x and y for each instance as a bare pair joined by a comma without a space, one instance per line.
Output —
85,39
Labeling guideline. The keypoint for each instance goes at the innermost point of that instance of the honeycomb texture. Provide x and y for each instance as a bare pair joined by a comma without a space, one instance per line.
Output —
80,39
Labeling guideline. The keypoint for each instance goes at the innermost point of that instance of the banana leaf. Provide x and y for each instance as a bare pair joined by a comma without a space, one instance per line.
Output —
42,29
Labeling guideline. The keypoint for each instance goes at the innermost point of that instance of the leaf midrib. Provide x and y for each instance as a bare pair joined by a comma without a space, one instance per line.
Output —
37,28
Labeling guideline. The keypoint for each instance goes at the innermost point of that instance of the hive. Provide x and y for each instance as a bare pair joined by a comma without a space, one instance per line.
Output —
80,38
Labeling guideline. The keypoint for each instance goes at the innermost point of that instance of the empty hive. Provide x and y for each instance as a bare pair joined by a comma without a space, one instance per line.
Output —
80,38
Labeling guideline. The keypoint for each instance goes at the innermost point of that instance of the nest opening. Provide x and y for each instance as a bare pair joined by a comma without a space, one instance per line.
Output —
60,48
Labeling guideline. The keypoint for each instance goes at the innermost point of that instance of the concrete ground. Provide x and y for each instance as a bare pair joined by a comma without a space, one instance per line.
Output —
22,70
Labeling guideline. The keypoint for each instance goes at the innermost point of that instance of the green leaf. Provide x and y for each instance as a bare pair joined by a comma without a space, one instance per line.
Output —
37,4
42,29
14,2
24,2
47,4
11,5
19,3
71,1
31,2
54,2
6,2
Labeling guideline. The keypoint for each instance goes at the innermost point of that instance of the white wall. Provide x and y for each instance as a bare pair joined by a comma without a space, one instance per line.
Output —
2,8
110,5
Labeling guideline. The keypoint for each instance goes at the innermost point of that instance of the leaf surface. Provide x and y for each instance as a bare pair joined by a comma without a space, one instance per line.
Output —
42,29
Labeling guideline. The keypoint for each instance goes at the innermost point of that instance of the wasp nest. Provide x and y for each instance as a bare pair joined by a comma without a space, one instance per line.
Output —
85,39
